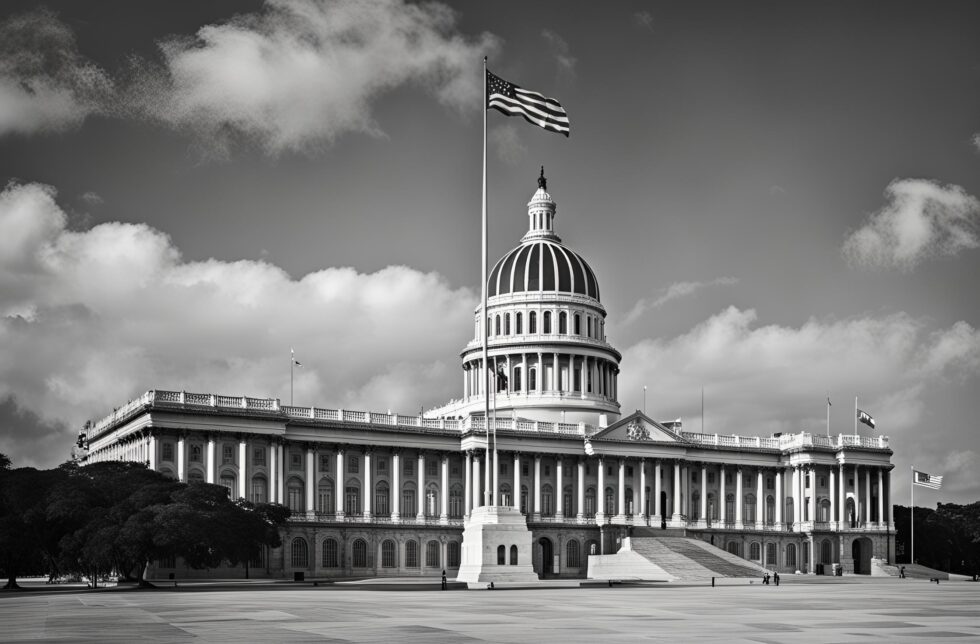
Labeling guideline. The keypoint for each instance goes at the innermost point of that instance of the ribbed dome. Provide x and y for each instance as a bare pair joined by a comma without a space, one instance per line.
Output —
542,265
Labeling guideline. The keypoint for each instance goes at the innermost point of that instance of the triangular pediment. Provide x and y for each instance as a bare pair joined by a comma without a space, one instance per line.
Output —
638,428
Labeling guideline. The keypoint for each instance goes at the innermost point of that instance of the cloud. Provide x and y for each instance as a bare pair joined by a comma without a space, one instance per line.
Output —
299,74
92,198
562,53
508,144
762,379
976,141
45,83
922,220
643,19
672,292
90,319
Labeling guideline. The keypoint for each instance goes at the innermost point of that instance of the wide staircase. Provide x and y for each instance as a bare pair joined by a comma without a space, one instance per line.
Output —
688,558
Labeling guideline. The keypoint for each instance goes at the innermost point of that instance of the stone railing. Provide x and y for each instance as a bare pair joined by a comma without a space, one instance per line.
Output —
787,441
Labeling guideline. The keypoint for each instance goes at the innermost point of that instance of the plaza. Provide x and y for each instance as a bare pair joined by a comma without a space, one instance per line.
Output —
801,609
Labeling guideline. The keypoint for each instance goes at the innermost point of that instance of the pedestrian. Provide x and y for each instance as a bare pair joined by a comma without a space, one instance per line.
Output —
445,585
775,577
901,572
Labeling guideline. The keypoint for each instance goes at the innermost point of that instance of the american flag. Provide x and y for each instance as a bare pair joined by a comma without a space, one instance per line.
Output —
927,480
866,418
535,108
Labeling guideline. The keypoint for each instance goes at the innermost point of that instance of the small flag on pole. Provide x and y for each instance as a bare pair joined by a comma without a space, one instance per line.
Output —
536,109
295,361
927,480
866,418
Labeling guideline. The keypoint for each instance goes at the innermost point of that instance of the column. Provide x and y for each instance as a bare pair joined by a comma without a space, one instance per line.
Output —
537,486
182,460
444,491
760,502
281,469
832,497
524,376
210,457
309,479
643,490
657,510
495,495
477,490
559,489
583,382
517,481
556,378
621,491
396,486
580,481
151,452
242,467
739,523
466,384
600,496
368,493
867,496
339,483
467,483
780,499
704,494
841,493
887,518
676,517
420,500
813,493
797,504
722,496
881,499
540,383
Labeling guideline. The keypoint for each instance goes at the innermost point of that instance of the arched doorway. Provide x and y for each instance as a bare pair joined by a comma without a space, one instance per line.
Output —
547,557
664,510
861,553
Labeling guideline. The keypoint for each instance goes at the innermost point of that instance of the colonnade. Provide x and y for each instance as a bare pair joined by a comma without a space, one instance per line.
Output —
553,372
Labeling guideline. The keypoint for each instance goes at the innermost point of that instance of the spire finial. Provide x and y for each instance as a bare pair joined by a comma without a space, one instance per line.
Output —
542,182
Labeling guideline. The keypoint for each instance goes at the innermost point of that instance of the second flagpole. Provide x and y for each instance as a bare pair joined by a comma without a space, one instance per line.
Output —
483,289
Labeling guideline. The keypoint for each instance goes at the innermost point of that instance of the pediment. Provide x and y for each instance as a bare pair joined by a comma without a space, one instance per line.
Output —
638,428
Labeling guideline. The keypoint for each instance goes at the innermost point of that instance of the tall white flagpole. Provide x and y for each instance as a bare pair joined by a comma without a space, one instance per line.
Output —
484,323
912,514
855,415
292,361
828,416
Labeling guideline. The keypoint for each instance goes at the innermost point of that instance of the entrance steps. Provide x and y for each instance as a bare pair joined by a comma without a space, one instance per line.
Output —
673,558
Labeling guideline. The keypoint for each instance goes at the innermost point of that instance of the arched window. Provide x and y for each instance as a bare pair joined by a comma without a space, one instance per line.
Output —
294,495
516,381
299,556
195,453
532,379
755,551
532,322
518,318
501,555
408,500
325,496
695,512
770,510
259,490
577,322
359,554
524,499
388,554
506,323
546,323
352,498
195,476
453,554
227,481
713,506
748,512
432,501
513,555
456,501
567,507
590,502
381,496
505,494
547,501
329,554
770,554
824,510
573,557
791,555
496,326
591,547
563,323
432,554
729,508
826,553
610,501
735,548
412,554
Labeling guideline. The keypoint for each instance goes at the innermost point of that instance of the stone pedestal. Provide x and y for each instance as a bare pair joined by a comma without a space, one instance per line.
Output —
486,530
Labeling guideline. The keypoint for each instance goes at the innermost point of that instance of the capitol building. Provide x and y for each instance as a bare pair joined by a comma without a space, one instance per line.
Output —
382,494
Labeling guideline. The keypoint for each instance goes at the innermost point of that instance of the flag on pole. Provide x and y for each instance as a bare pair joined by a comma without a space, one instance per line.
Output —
927,480
866,418
295,361
828,402
536,109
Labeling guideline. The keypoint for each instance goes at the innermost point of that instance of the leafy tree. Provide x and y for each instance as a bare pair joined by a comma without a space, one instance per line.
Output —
5,463
27,540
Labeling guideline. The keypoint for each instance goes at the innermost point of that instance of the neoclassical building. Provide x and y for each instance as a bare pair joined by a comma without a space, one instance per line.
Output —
377,494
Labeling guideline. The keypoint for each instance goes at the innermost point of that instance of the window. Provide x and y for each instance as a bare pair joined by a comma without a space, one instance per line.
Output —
629,471
610,501
503,469
769,484
590,502
749,509
324,462
431,502
546,322
573,558
168,452
227,481
167,562
456,502
566,502
409,467
381,496
412,554
195,453
770,554
516,384
453,553
694,477
352,500
382,466
299,553
791,555
501,555
359,554
388,554
755,551
295,461
589,326
408,502
507,324
563,322
329,554
822,482
547,501
496,326
227,454
532,322
258,456
432,555
324,497
259,488
711,477
517,324
547,470
294,495
532,379
432,467
577,322
735,548
513,555
353,465
525,468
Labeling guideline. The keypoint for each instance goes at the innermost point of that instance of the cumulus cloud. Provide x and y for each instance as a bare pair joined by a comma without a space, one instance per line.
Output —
761,379
643,19
300,73
90,319
562,53
672,292
45,83
508,144
976,141
922,220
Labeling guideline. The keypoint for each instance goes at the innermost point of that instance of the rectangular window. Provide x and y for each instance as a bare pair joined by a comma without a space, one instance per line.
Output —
454,470
629,471
382,465
168,452
324,462
768,482
588,470
227,454
432,467
711,477
295,461
525,468
195,453
258,456
353,465
547,470
409,467
694,477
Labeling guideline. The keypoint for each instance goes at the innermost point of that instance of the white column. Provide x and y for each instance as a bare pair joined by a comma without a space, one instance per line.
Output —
210,457
722,496
242,467
477,480
841,495
798,492
523,377
396,486
151,452
780,500
541,373
181,460
739,523
516,500
537,486
584,383
309,479
420,500
601,492
887,495
676,517
657,510
760,502
867,496
643,490
621,491
813,493
556,377
704,493
559,489
467,483
368,493
339,488
580,481
832,496
281,469
444,491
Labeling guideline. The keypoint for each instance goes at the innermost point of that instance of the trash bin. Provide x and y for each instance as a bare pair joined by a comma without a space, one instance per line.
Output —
299,576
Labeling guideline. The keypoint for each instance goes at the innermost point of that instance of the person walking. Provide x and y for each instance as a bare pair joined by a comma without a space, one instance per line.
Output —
445,584
775,577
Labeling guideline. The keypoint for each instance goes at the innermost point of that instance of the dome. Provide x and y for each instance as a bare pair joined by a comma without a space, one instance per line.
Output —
542,265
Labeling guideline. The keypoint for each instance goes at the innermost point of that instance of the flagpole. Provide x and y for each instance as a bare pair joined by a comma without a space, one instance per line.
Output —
828,416
855,415
483,287
912,514
292,361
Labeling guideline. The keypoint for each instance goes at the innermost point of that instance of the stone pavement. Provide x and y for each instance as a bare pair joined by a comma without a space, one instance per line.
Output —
803,610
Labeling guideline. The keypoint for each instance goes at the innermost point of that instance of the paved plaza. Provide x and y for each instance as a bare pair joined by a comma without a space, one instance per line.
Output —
811,610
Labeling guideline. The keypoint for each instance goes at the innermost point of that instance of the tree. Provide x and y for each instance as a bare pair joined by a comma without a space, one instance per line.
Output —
28,542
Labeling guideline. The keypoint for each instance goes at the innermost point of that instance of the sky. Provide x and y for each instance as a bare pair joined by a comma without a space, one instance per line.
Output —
780,201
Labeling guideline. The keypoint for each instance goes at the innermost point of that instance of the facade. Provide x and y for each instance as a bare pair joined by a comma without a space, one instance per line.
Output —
376,494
